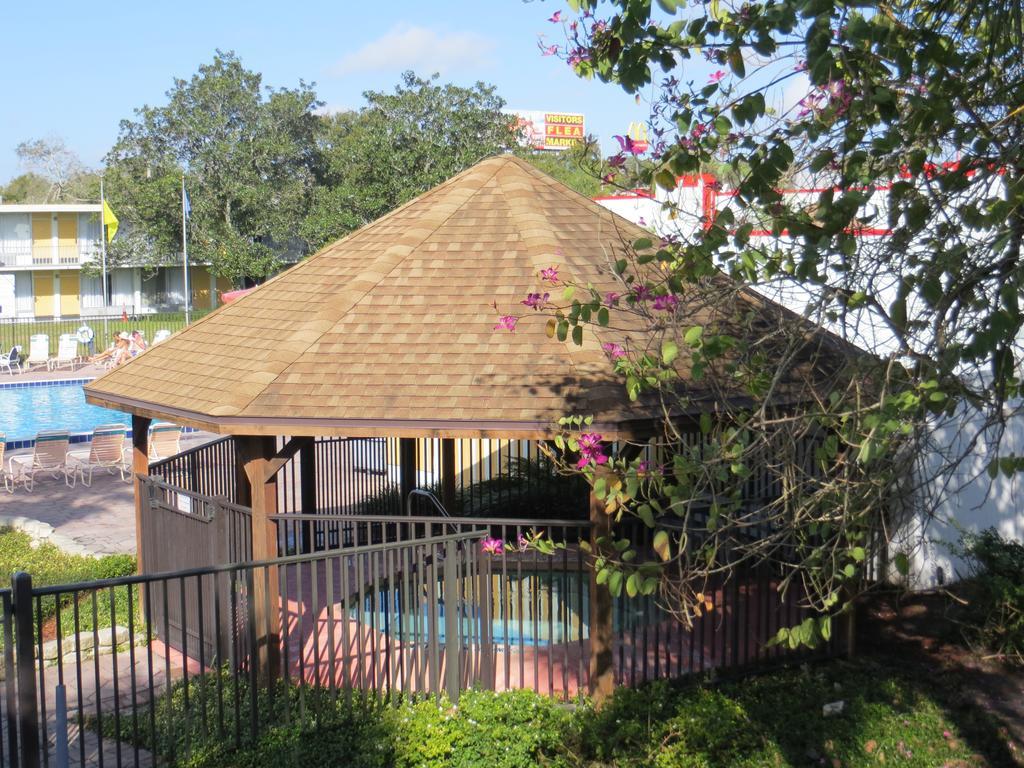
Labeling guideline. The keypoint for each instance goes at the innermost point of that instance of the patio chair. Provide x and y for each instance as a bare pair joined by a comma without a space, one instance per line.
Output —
67,353
162,335
50,455
38,351
106,451
164,440
12,360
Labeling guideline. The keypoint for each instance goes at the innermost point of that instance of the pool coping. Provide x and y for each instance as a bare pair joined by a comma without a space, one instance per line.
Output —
76,437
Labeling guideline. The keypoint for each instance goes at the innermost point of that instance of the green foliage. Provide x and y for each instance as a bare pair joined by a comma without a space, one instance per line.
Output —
776,719
250,157
995,610
398,146
48,565
26,188
578,167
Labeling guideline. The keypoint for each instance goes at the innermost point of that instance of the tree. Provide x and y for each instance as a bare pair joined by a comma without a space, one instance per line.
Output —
920,97
575,167
26,188
398,146
250,158
51,161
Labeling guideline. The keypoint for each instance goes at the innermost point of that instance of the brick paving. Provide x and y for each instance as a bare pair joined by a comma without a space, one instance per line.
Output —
100,518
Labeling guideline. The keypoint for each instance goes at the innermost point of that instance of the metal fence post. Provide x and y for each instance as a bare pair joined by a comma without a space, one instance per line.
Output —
485,595
452,641
28,720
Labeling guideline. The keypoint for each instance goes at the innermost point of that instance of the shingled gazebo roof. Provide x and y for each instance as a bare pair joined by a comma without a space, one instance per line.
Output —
389,331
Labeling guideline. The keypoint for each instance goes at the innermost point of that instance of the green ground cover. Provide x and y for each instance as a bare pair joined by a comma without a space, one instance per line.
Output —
890,718
12,333
49,565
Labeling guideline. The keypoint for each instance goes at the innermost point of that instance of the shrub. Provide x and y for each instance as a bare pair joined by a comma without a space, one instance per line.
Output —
995,612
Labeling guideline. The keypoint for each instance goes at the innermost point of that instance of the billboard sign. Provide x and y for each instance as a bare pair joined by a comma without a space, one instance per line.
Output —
554,131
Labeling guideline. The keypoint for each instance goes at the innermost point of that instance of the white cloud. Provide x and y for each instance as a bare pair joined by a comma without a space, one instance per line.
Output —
422,49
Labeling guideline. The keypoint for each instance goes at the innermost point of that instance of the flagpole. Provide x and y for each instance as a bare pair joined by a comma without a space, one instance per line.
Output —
103,251
184,245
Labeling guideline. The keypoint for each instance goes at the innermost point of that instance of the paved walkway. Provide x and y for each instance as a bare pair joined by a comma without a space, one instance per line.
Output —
100,518
39,373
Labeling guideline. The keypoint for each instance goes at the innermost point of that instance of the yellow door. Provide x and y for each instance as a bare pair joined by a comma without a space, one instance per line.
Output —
42,239
199,287
42,289
67,239
69,302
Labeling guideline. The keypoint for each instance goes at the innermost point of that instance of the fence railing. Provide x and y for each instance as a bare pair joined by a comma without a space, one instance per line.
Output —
361,476
19,331
396,619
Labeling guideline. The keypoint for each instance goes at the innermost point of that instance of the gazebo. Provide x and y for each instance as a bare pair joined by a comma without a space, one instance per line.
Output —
390,334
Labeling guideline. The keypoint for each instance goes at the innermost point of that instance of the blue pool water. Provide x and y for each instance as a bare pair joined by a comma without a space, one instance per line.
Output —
26,410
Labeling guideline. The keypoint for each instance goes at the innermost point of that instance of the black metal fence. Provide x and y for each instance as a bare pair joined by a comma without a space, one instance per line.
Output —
14,331
92,669
361,476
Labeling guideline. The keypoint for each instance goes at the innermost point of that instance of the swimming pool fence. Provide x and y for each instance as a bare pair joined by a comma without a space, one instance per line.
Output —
415,607
15,331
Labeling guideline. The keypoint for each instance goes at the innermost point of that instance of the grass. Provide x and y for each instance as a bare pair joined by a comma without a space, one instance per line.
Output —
890,718
12,333
48,565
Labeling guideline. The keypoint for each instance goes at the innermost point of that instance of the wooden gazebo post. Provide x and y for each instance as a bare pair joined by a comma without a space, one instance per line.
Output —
602,636
255,455
140,466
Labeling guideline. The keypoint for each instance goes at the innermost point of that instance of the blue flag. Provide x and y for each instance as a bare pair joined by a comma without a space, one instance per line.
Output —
186,204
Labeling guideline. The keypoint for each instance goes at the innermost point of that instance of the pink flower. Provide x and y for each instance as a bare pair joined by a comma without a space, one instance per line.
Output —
641,293
626,144
492,546
557,17
591,450
615,351
611,298
507,323
716,77
617,161
550,274
666,303
550,50
643,467
699,130
608,178
536,300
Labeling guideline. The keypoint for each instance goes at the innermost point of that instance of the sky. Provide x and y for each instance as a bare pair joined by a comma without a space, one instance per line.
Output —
102,61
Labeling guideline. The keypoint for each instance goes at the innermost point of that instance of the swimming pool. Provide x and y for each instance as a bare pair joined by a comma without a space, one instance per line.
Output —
31,406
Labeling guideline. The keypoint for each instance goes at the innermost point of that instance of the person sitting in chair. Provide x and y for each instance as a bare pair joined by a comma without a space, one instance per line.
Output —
138,343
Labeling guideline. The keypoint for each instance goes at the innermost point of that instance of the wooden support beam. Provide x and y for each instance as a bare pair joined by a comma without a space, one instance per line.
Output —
406,469
255,455
140,466
283,456
448,474
602,638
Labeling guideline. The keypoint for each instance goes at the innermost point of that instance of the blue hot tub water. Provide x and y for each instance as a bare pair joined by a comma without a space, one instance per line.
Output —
27,408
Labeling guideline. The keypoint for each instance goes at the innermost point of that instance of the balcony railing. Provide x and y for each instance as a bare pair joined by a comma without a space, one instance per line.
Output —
17,256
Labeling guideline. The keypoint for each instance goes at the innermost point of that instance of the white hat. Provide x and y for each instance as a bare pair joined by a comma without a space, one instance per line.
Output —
124,335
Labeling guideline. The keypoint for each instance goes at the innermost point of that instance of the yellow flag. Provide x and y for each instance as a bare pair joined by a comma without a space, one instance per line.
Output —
109,221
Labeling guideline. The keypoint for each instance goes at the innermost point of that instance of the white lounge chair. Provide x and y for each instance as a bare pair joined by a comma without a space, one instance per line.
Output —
38,351
67,353
106,451
162,335
12,360
4,474
164,440
50,455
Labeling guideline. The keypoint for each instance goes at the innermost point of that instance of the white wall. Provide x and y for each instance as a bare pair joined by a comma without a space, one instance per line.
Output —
8,306
963,498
